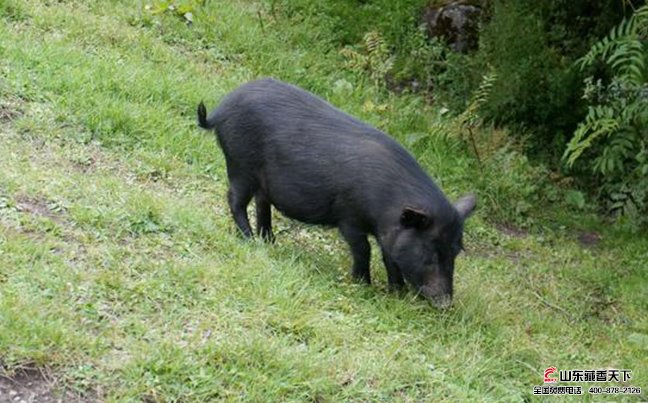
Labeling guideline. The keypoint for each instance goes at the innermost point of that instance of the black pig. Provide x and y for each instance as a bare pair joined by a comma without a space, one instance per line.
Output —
288,148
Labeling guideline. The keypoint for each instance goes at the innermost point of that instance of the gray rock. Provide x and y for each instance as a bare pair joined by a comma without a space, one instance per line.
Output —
456,22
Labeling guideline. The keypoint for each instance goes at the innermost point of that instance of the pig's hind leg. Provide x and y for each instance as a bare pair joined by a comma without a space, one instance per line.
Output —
239,196
263,217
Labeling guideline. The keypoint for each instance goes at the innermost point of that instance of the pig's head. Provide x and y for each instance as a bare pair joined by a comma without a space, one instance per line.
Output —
425,246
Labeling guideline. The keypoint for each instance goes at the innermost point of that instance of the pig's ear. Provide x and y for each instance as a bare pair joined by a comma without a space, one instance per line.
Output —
414,218
466,205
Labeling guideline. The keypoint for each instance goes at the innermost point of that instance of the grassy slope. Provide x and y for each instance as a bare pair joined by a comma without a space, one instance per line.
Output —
120,269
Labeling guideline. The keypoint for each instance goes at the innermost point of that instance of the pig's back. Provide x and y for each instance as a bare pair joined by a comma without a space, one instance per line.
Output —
315,162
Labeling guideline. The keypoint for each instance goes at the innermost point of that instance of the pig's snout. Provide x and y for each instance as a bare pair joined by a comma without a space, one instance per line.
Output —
440,298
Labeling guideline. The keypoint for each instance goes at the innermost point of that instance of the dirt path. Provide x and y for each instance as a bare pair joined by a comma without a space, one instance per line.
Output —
32,385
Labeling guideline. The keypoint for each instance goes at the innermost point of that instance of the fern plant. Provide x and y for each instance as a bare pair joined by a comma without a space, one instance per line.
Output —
374,57
470,118
611,141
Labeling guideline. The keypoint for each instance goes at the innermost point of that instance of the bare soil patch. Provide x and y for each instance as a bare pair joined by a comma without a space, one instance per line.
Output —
36,206
589,239
511,230
33,386
8,112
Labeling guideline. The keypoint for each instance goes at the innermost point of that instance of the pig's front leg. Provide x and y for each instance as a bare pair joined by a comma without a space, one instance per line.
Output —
394,275
361,251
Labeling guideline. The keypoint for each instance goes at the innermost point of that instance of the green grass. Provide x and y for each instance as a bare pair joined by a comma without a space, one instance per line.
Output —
121,272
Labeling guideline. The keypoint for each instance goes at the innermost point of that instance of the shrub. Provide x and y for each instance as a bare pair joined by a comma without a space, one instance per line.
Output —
535,85
614,134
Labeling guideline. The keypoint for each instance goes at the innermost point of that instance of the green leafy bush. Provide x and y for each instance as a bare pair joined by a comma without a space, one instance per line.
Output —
349,24
536,88
611,142
374,57
345,22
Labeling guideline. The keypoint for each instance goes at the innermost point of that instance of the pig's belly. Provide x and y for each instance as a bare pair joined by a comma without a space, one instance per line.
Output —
307,202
